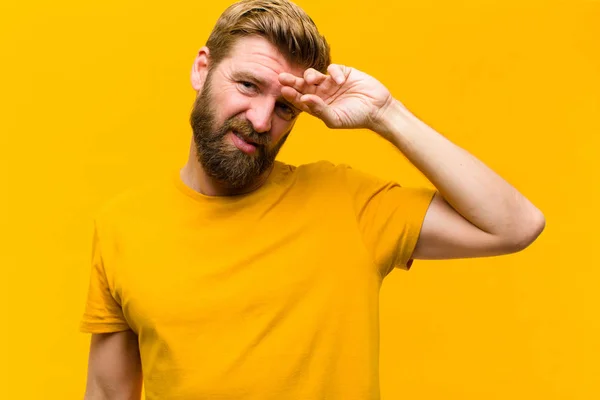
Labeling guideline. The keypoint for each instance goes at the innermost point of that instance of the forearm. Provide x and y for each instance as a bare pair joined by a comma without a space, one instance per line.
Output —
475,191
112,395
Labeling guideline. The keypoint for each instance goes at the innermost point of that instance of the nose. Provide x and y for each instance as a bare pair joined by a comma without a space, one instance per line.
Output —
260,114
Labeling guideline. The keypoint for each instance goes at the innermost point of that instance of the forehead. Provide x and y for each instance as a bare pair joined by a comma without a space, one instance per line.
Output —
258,55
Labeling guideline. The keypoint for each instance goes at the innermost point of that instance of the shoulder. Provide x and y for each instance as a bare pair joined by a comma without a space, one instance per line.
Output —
340,176
324,170
318,175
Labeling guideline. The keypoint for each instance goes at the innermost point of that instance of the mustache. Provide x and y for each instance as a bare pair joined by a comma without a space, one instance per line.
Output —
244,128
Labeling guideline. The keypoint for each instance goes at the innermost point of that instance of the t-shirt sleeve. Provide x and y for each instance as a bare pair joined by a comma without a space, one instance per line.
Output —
389,217
103,313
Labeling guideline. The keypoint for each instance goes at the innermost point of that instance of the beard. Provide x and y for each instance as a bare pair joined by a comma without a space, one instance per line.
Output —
221,160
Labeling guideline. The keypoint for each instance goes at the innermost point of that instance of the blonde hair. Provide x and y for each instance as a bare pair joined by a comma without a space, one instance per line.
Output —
284,24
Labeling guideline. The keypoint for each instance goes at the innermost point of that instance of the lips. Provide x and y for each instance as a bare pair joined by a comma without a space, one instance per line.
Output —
245,139
242,144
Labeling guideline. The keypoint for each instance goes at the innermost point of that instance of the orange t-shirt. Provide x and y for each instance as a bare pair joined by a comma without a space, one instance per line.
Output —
268,295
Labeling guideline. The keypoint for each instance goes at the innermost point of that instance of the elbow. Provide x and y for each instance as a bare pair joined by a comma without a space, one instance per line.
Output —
529,230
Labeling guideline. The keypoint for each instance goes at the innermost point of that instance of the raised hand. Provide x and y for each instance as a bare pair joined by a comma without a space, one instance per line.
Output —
345,98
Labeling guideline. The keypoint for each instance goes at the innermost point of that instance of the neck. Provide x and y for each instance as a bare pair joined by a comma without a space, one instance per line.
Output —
195,177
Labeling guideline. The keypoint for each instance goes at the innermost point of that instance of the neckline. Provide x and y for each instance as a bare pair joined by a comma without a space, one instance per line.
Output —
273,177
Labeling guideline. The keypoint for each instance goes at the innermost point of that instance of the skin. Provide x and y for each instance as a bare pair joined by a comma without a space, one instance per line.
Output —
243,86
114,367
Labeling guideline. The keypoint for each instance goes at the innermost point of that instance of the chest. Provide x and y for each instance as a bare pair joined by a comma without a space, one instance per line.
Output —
205,276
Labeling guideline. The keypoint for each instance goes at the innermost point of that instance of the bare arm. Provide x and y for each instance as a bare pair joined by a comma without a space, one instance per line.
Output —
114,367
476,213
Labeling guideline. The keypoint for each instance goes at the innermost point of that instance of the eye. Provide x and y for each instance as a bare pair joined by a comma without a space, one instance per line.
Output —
286,112
248,86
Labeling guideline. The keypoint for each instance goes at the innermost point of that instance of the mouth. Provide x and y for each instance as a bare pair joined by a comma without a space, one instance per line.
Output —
245,145
245,139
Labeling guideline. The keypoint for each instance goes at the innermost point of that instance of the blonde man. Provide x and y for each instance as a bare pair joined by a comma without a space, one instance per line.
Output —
246,278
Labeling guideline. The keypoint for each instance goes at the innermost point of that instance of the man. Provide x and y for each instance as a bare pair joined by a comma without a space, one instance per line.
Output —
246,278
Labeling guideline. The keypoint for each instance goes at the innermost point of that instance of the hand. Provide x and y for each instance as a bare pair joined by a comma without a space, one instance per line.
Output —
346,98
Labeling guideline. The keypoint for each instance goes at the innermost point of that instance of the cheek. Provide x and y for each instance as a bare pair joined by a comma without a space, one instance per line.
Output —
229,104
280,128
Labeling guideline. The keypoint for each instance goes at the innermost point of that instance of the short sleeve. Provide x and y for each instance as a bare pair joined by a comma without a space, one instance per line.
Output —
103,314
389,217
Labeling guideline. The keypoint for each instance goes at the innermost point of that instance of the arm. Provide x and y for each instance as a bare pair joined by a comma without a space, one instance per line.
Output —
114,368
475,213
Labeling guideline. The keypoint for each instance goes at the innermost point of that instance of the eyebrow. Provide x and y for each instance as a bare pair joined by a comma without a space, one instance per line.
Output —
248,76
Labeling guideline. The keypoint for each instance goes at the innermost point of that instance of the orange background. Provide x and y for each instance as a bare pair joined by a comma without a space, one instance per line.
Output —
95,94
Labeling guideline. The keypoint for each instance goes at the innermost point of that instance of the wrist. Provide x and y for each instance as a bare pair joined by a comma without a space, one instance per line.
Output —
393,119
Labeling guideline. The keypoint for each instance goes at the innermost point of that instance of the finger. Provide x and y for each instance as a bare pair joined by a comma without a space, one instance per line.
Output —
337,72
317,107
293,96
293,81
327,87
314,77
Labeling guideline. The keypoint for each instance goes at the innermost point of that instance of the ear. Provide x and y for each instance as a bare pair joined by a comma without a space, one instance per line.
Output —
200,69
